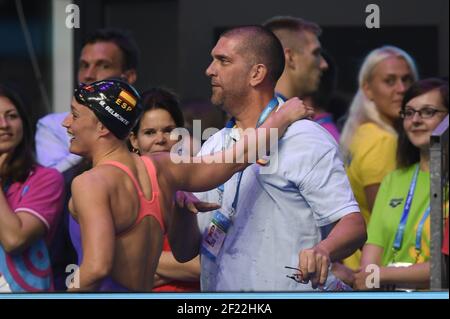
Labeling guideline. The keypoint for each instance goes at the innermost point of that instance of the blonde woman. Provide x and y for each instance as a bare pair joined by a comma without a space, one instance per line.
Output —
368,140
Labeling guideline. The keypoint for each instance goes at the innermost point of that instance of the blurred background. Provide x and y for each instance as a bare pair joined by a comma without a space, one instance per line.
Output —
39,54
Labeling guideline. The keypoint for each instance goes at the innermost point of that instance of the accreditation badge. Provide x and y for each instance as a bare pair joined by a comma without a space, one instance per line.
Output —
214,235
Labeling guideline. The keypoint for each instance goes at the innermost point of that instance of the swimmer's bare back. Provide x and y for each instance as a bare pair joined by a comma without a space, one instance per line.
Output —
111,236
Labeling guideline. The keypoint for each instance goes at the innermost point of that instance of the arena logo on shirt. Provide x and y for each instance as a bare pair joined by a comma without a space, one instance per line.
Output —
395,202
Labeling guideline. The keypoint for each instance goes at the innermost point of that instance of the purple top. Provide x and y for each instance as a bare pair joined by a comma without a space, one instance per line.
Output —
326,120
108,284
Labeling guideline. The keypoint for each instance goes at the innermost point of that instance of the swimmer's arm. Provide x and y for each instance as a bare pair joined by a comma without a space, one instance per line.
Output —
171,269
213,169
91,203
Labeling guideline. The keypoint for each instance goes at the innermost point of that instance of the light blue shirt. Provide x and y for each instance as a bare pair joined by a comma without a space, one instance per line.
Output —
52,143
277,214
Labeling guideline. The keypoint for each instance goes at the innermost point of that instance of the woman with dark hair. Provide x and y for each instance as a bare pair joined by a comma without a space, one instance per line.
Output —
31,199
161,114
399,229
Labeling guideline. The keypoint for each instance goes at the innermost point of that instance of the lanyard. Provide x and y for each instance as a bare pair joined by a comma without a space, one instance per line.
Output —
419,231
264,115
401,227
325,120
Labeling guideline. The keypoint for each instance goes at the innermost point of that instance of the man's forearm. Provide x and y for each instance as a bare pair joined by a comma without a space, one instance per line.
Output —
347,236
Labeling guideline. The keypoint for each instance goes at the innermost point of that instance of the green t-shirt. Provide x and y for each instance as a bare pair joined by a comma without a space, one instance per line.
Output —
388,209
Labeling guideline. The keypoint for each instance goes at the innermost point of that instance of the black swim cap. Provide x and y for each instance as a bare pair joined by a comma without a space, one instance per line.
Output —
115,103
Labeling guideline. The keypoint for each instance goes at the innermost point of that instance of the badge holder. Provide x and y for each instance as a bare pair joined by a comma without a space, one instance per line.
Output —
214,235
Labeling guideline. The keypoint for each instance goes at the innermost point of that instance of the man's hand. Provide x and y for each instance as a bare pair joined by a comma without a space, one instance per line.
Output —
188,201
314,263
295,110
343,273
360,280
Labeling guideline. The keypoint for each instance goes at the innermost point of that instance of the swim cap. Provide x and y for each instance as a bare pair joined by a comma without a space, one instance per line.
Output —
115,103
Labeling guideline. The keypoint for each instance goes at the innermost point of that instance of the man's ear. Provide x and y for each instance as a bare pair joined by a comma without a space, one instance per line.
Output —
130,76
289,58
258,74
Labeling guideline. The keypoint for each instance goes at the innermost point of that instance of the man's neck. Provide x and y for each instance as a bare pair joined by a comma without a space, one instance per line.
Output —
285,87
249,113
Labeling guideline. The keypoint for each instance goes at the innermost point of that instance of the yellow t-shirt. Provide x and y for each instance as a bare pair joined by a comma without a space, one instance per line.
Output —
372,157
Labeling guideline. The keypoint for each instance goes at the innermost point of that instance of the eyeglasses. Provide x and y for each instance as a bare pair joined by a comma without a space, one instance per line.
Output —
297,276
425,113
